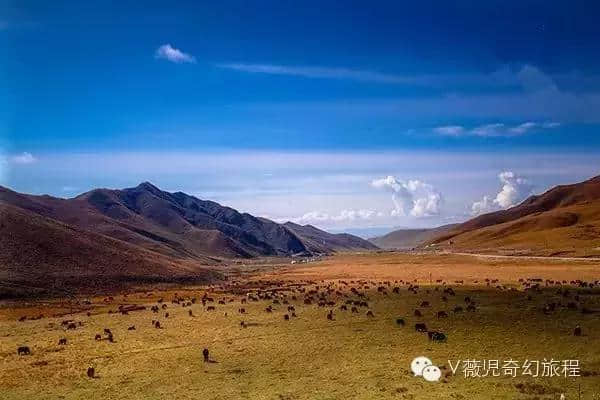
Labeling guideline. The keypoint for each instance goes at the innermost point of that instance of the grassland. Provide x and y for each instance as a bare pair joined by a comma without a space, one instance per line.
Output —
310,357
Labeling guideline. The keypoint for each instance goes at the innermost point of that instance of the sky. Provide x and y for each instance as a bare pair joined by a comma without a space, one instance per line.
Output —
348,116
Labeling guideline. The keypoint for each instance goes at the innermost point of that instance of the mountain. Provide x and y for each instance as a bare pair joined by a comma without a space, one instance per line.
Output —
41,255
367,233
565,220
318,241
409,238
173,224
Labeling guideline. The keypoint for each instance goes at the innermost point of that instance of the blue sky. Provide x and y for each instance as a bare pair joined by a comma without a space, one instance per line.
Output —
218,100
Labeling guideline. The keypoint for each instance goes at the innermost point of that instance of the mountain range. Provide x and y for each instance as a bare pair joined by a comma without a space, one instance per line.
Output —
404,239
180,225
141,233
108,237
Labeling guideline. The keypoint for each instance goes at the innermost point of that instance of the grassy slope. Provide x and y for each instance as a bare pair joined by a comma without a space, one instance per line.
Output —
45,253
306,358
568,231
564,221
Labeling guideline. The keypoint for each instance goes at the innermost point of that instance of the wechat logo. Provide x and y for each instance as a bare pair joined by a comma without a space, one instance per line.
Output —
422,366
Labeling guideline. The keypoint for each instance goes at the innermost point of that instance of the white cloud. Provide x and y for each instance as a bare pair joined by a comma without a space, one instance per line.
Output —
450,130
168,52
483,206
523,128
319,72
415,198
502,78
495,129
514,190
348,215
23,158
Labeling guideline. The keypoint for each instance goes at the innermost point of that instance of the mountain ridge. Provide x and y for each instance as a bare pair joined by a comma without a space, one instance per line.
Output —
564,220
177,224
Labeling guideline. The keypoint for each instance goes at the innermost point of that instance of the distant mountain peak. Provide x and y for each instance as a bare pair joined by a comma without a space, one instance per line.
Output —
147,186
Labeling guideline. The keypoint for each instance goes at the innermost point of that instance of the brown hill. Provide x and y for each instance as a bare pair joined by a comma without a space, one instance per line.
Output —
178,225
409,238
319,241
564,220
170,223
37,252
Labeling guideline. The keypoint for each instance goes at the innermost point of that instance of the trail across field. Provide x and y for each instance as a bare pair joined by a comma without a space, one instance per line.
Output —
537,258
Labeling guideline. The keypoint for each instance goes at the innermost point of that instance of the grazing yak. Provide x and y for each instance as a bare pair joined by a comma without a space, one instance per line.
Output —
577,331
418,313
62,341
420,327
436,336
23,351
91,373
400,321
205,355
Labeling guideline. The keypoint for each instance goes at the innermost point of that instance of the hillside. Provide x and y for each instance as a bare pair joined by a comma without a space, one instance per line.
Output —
39,252
175,224
319,241
409,238
565,220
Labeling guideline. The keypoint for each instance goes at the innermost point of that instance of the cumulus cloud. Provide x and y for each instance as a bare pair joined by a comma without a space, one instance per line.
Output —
23,158
348,215
415,198
168,52
483,206
514,190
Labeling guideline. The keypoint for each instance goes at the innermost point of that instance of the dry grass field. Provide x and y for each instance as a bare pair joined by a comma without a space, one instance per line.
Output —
352,356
